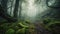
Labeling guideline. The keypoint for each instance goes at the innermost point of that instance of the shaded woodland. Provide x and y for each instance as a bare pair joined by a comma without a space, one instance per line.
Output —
13,22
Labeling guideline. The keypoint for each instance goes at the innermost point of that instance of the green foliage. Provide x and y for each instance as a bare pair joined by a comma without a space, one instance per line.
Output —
10,31
17,28
49,22
21,31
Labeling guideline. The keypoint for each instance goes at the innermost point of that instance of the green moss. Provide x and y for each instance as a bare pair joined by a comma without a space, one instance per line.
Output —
10,31
20,31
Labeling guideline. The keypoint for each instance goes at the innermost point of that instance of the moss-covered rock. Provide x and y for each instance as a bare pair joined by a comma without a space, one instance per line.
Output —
10,31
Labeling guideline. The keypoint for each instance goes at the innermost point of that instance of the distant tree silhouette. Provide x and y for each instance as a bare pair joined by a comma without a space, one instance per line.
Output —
6,16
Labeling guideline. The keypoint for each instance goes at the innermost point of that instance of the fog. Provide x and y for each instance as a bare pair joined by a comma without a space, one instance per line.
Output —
32,9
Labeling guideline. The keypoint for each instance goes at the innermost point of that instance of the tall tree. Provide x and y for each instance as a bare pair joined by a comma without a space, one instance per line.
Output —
16,8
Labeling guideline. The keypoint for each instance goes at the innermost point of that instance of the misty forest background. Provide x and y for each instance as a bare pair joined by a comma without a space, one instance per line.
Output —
19,26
